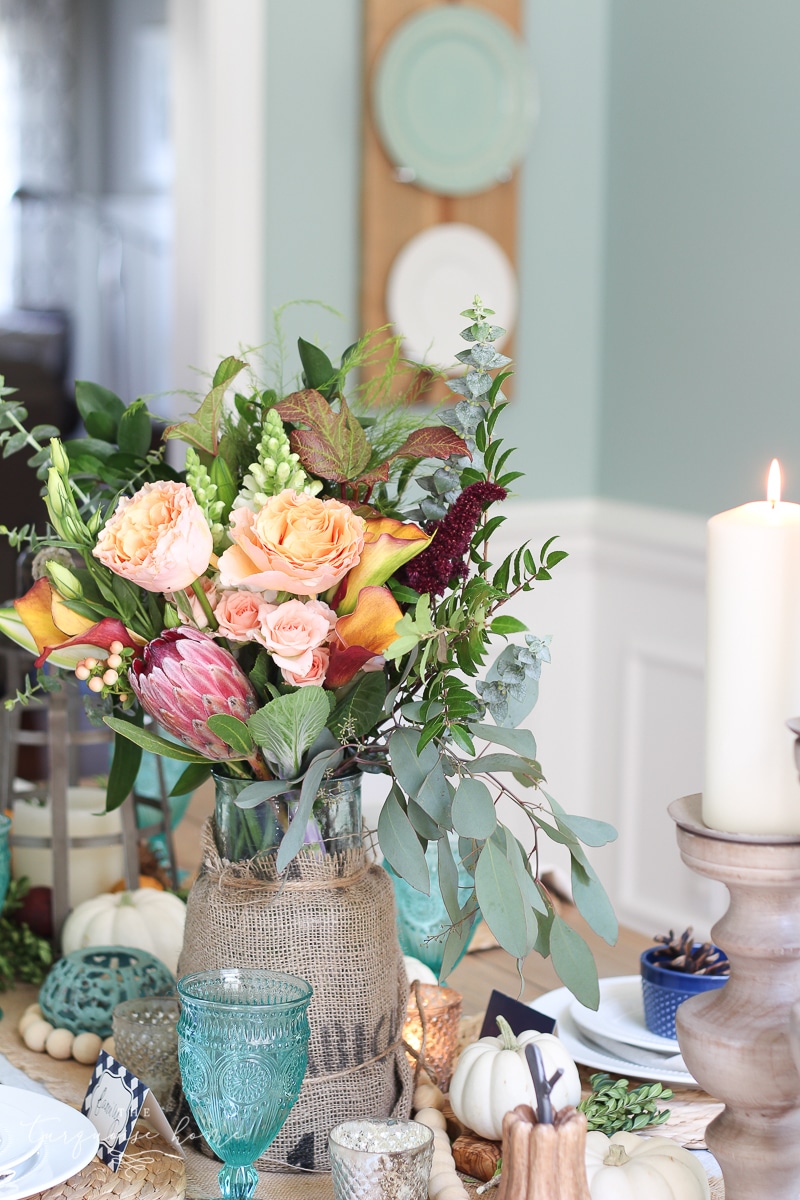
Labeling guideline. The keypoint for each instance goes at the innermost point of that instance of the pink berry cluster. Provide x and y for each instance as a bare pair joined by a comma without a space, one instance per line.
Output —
104,674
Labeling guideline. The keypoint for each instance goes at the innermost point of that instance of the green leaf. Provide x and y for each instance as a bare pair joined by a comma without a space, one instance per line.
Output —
420,774
223,480
473,810
285,728
500,900
521,741
191,779
152,741
455,942
263,789
400,845
425,826
233,732
587,830
506,625
448,878
100,409
135,432
573,963
592,901
359,709
15,443
295,835
318,370
201,429
122,774
526,772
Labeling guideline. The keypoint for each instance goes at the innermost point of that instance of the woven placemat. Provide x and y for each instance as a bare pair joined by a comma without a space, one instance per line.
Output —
150,1170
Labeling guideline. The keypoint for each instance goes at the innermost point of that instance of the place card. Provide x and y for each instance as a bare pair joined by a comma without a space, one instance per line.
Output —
114,1102
519,1016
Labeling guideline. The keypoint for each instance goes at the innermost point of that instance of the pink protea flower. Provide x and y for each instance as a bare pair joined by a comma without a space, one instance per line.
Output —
183,678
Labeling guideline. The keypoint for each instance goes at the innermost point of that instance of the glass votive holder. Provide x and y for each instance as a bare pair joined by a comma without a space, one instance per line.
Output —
441,1007
146,1042
381,1160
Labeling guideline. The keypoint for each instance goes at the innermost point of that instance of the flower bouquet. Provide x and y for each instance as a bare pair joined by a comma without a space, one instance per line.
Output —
313,595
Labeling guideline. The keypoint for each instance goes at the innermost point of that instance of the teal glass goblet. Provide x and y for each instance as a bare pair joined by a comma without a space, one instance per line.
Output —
242,1052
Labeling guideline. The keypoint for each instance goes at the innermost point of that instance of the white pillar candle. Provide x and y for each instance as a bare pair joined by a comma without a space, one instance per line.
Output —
92,869
753,667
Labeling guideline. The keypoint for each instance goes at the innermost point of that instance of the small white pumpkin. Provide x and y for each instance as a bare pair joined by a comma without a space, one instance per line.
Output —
628,1166
144,920
492,1077
416,970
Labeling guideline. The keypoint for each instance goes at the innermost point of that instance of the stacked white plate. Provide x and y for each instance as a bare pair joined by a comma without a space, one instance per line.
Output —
615,1038
42,1142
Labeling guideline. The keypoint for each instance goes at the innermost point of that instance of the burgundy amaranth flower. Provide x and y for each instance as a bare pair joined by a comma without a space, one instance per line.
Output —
183,678
445,558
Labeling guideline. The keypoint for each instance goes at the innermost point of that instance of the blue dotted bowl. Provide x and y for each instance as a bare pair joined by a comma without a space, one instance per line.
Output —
83,988
663,991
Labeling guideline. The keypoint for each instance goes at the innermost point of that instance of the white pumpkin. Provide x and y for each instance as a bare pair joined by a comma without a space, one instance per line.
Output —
146,919
418,970
628,1166
492,1077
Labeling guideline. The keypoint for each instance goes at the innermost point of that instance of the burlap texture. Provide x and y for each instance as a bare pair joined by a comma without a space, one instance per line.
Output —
334,925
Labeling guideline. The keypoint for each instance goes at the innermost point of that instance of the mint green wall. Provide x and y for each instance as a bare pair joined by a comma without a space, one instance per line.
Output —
701,377
314,133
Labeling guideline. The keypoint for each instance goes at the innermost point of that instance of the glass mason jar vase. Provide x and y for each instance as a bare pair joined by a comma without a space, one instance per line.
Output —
255,833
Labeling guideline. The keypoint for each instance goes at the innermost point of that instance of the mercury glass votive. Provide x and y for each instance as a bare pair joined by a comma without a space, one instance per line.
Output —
146,1042
441,1007
381,1160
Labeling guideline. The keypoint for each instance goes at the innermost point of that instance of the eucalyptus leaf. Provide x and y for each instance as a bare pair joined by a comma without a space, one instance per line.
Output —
587,830
448,878
592,901
420,775
573,963
527,772
456,941
425,826
521,741
473,810
400,845
295,835
263,789
500,900
522,699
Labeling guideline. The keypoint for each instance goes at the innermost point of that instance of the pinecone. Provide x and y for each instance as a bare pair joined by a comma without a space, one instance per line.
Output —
683,954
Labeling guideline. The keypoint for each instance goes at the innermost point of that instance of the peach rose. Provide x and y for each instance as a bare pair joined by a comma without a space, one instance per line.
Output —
291,633
297,544
158,538
240,615
320,657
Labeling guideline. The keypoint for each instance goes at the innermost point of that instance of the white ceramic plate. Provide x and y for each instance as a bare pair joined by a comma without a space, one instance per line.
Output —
621,1016
68,1141
435,277
557,1004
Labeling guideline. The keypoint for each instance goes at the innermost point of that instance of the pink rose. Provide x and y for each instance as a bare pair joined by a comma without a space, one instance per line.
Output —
291,632
319,665
240,616
325,610
298,544
158,538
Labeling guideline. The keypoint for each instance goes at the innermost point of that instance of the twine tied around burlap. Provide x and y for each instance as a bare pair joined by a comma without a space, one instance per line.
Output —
333,923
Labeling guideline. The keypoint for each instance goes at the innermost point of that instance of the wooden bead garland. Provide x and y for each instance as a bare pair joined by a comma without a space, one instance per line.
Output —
444,1182
40,1036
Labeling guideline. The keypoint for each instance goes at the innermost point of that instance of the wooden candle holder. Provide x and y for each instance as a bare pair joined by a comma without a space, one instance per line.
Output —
736,1040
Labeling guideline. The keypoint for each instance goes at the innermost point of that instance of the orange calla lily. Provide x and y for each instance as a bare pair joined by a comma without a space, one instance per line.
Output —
53,625
388,545
362,634
47,618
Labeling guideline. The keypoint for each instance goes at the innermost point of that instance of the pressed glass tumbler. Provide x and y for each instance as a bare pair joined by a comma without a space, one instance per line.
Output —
242,1051
381,1160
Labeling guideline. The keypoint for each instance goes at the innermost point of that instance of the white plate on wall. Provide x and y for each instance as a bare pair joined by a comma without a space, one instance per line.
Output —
557,1004
68,1140
435,277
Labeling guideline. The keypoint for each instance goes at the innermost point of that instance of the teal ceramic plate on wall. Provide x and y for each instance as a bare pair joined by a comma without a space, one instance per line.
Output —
455,99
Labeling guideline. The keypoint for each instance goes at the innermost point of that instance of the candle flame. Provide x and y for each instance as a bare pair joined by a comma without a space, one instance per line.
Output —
774,483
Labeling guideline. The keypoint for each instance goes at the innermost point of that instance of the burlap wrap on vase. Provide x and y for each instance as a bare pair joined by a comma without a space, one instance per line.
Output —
334,925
